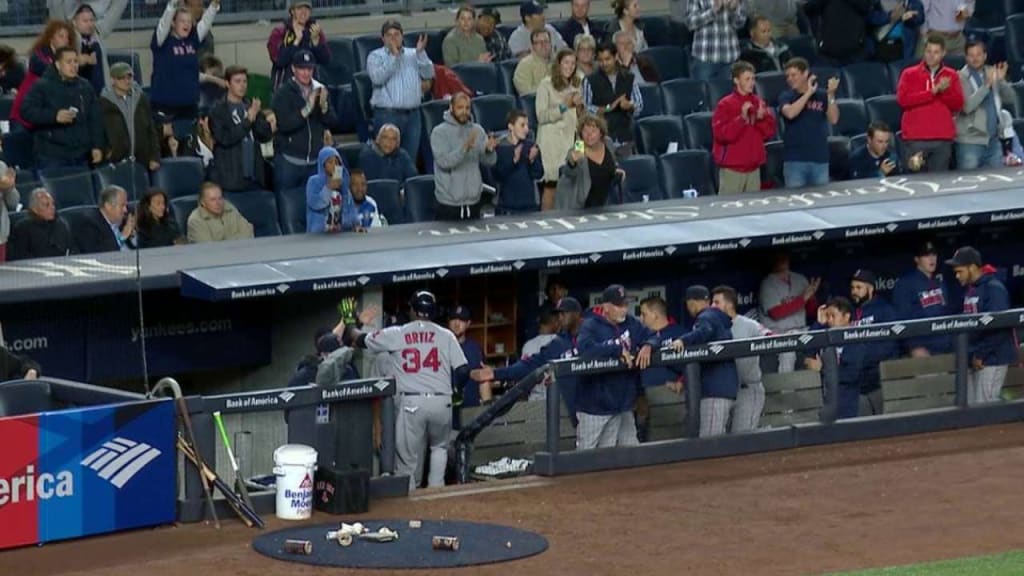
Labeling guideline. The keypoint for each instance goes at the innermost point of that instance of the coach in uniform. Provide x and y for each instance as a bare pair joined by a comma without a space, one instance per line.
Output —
920,294
746,412
424,358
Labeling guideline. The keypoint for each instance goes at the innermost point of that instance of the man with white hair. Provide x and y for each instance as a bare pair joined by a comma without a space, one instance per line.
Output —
385,157
42,234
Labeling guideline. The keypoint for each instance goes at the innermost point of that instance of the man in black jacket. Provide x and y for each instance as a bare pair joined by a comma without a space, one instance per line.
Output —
614,94
107,229
303,116
42,234
844,28
237,126
67,128
124,104
762,50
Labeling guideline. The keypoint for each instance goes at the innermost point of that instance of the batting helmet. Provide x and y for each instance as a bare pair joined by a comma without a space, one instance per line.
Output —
423,304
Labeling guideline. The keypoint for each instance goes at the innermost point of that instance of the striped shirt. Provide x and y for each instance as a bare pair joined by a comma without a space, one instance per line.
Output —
714,33
396,80
941,14
636,96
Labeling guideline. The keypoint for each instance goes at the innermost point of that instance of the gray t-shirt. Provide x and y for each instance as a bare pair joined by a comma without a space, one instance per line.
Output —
421,356
779,289
749,368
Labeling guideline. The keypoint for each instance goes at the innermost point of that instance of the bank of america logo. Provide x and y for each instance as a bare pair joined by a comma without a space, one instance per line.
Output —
120,459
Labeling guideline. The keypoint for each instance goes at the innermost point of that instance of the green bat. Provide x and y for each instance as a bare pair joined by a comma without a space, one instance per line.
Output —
239,482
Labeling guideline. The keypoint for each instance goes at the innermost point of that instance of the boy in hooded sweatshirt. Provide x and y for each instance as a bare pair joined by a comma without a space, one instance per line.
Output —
518,168
460,146
329,206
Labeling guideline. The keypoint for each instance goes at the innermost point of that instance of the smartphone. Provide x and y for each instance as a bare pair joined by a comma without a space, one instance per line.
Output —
579,146
73,110
338,171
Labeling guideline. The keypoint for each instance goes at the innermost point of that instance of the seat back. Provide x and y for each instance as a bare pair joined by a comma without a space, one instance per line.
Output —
698,131
419,199
23,398
350,152
686,170
684,96
657,30
291,210
803,46
671,62
884,109
260,208
853,118
435,39
131,57
362,90
506,72
718,88
362,46
867,79
770,85
343,62
17,150
431,116
181,176
1015,46
896,68
641,182
387,194
127,174
771,171
653,105
480,77
182,207
76,217
824,73
654,134
69,186
491,111
838,158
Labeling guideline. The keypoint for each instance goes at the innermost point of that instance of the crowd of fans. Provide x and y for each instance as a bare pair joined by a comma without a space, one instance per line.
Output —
566,145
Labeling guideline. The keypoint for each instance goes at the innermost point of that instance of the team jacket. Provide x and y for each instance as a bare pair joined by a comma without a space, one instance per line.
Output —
852,361
928,116
917,296
718,379
738,144
988,294
562,347
612,392
875,311
660,375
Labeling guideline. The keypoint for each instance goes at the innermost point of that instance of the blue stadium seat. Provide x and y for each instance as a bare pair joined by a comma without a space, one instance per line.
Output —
658,31
853,119
27,181
684,96
896,68
698,131
419,199
127,174
362,90
653,105
16,217
671,62
770,85
362,46
1015,46
181,176
718,88
641,179
350,153
6,103
838,158
182,207
344,101
686,170
291,210
824,73
260,208
431,115
866,80
956,61
654,134
507,29
529,105
884,109
69,186
129,56
491,111
506,72
771,171
480,77
343,62
1017,104
76,217
435,39
388,196
17,149
804,46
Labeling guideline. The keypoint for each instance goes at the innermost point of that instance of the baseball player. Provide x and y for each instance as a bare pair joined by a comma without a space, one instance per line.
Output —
838,313
746,412
872,309
993,351
719,381
424,357
786,298
920,294
654,315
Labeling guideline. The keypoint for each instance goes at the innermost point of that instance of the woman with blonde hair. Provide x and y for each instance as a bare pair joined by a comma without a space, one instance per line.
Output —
586,54
559,102
628,14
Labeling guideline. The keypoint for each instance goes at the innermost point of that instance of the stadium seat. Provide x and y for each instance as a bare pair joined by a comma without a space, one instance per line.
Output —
641,179
6,103
858,141
343,62
896,68
771,171
16,217
838,158
69,186
127,174
655,133
1016,106
362,90
480,77
435,39
671,62
182,207
506,72
718,88
866,80
658,31
431,115
491,111
853,119
529,105
291,210
770,85
388,196
824,73
129,56
17,149
698,131
181,176
804,46
76,218
885,109
210,94
27,181
1015,46
684,96
507,29
419,199
260,208
350,153
653,105
362,46
686,170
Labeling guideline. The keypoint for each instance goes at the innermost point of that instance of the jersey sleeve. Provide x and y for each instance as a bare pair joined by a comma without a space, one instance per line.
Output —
386,340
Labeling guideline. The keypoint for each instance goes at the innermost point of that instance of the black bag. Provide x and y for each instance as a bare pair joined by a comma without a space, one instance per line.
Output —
338,492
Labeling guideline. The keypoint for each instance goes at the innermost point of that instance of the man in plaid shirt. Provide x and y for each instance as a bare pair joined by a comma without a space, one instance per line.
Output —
715,45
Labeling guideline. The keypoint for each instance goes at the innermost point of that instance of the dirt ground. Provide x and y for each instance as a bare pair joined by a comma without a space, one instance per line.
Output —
806,511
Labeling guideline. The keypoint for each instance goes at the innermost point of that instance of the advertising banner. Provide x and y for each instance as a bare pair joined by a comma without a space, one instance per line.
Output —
86,471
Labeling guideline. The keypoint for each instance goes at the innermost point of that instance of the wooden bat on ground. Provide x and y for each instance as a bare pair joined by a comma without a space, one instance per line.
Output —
186,423
243,510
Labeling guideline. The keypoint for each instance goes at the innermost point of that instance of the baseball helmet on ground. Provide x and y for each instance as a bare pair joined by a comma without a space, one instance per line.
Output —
423,304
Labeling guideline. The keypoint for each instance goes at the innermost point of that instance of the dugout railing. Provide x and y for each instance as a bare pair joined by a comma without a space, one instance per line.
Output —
553,461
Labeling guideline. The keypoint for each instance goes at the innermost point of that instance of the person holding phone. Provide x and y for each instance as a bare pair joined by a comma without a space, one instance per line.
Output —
327,195
559,101
590,176
875,159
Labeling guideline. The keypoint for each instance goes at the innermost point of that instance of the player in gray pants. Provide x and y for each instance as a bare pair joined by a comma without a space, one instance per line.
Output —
746,412
423,357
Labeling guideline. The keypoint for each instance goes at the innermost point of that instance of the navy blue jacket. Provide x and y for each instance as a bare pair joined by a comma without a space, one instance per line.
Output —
852,360
988,294
474,359
864,165
612,392
517,180
917,296
659,375
875,311
718,379
563,346
395,166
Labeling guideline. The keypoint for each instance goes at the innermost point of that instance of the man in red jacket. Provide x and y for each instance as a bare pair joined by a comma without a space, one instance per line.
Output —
740,125
931,96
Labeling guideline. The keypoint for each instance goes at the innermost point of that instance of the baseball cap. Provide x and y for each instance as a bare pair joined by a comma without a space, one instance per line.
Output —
965,257
82,8
298,3
614,294
461,312
492,12
530,7
303,59
328,343
120,70
865,276
698,292
390,25
926,249
569,304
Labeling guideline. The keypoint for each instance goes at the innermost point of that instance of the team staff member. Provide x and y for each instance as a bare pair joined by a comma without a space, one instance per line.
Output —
719,380
746,412
872,309
838,313
424,358
993,351
458,322
654,315
604,402
919,294
563,346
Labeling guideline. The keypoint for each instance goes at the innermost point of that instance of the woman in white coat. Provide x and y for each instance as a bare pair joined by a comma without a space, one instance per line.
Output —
559,101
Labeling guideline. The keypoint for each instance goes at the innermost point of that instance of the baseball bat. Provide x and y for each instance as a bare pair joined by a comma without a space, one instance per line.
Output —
246,513
239,482
186,422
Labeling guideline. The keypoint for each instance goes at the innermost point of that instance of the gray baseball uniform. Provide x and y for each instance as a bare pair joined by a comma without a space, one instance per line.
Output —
421,355
779,289
746,412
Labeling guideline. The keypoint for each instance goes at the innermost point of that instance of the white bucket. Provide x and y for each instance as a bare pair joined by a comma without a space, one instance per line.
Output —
294,465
